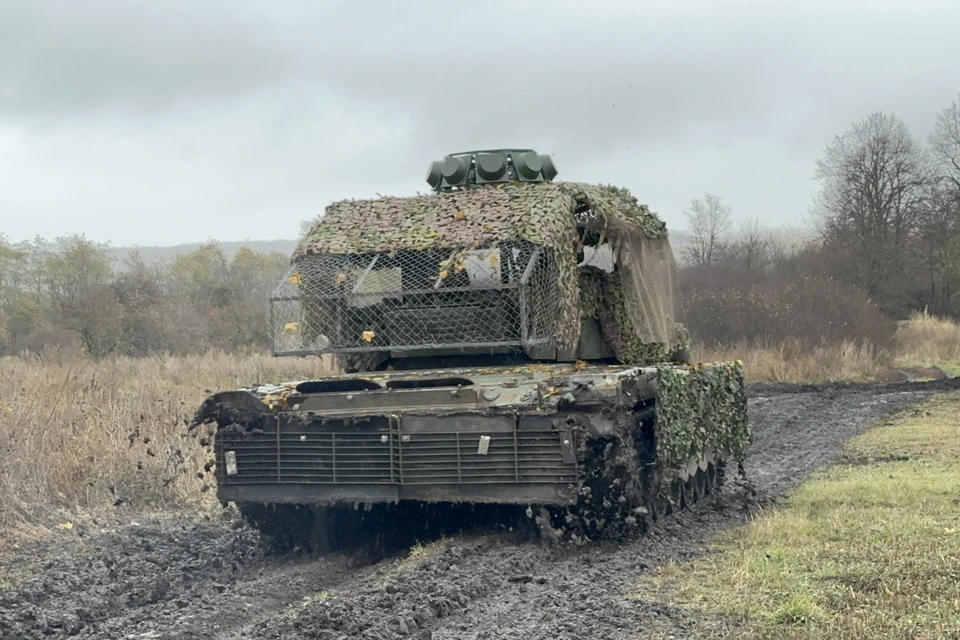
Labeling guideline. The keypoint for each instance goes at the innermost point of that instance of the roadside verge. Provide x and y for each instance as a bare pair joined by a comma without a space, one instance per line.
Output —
867,547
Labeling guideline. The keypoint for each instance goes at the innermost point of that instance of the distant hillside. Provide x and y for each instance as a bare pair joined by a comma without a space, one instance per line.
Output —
155,254
678,239
790,238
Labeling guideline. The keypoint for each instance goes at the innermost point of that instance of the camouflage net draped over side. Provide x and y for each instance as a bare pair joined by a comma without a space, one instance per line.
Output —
635,303
636,300
647,286
701,407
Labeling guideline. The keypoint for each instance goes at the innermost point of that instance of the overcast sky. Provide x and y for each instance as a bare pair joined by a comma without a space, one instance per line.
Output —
178,121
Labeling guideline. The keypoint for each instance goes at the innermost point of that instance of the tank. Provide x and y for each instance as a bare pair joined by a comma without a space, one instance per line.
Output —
506,344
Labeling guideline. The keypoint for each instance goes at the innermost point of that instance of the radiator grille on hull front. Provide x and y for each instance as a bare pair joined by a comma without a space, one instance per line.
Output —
383,454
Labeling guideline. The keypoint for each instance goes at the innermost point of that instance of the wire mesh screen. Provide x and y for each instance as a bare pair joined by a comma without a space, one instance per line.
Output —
507,295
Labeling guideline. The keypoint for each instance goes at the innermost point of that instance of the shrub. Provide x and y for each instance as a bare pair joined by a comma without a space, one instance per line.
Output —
726,305
926,340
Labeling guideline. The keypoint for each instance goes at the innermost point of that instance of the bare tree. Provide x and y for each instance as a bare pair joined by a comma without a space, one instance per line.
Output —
945,145
874,180
941,225
938,242
709,222
753,245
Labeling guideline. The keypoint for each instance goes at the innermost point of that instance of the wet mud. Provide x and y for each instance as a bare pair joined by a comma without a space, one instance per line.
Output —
175,578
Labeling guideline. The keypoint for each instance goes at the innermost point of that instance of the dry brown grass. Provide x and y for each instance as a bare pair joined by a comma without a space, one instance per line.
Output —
922,341
65,426
926,340
793,361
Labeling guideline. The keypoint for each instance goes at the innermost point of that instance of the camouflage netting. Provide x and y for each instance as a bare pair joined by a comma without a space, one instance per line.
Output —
542,213
699,408
505,256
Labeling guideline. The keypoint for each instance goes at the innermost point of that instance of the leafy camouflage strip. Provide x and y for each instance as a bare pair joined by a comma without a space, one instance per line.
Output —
701,407
591,292
617,324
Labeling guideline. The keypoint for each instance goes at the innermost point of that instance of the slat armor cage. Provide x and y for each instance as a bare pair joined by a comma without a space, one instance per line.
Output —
490,267
501,296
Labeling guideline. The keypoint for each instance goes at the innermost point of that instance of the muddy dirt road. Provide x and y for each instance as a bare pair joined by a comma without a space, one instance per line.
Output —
173,578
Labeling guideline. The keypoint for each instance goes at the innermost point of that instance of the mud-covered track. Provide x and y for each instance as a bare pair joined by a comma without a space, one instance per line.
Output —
173,579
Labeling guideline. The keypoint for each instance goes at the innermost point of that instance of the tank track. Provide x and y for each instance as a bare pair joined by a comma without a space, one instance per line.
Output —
612,515
622,495
624,491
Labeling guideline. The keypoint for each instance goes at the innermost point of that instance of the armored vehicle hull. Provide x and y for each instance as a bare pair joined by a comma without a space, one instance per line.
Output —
601,449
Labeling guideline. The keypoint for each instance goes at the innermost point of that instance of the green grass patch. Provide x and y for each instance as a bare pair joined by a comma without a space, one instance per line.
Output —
866,548
952,369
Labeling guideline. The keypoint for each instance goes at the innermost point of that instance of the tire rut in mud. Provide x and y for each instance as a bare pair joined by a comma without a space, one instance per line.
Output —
159,579
83,584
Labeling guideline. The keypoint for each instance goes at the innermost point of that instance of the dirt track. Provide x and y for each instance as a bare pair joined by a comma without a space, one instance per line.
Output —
177,579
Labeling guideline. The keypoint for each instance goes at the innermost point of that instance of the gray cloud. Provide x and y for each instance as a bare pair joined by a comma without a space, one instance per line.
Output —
66,58
740,69
205,119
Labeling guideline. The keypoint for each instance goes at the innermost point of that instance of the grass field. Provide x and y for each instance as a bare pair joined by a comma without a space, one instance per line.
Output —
65,431
866,548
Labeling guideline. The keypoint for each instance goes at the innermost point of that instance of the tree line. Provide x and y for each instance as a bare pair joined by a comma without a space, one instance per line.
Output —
884,241
70,293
